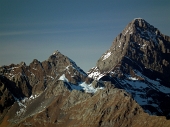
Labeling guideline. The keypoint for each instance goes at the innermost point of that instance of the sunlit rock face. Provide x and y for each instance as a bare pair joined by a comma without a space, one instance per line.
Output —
138,61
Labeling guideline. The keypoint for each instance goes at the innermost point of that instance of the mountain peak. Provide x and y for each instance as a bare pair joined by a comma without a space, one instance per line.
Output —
139,20
138,61
55,52
56,55
137,25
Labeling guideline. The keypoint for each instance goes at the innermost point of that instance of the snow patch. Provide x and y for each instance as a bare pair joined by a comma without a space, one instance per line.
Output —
34,68
95,74
22,103
22,107
55,52
63,78
129,29
33,97
67,68
106,55
88,88
139,89
133,78
140,100
155,84
50,76
81,86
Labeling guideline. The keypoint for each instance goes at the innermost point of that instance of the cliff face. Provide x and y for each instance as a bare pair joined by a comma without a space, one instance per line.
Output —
127,83
142,43
138,62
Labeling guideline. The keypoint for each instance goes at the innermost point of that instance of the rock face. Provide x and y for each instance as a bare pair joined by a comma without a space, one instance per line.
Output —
58,93
138,61
28,90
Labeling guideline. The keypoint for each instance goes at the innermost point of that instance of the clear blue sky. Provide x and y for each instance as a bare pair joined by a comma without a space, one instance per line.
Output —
80,29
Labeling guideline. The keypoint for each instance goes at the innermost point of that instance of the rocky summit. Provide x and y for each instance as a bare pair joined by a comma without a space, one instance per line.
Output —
139,62
129,87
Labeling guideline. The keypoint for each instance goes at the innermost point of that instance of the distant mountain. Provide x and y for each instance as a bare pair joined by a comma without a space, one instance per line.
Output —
139,62
24,89
58,93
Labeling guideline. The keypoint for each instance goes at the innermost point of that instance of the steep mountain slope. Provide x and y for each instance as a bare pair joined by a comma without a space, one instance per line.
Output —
138,61
57,106
108,107
20,84
57,93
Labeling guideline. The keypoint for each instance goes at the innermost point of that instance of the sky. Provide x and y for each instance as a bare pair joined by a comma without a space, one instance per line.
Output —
80,29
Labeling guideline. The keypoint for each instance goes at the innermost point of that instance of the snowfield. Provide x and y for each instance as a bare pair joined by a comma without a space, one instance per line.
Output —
88,88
